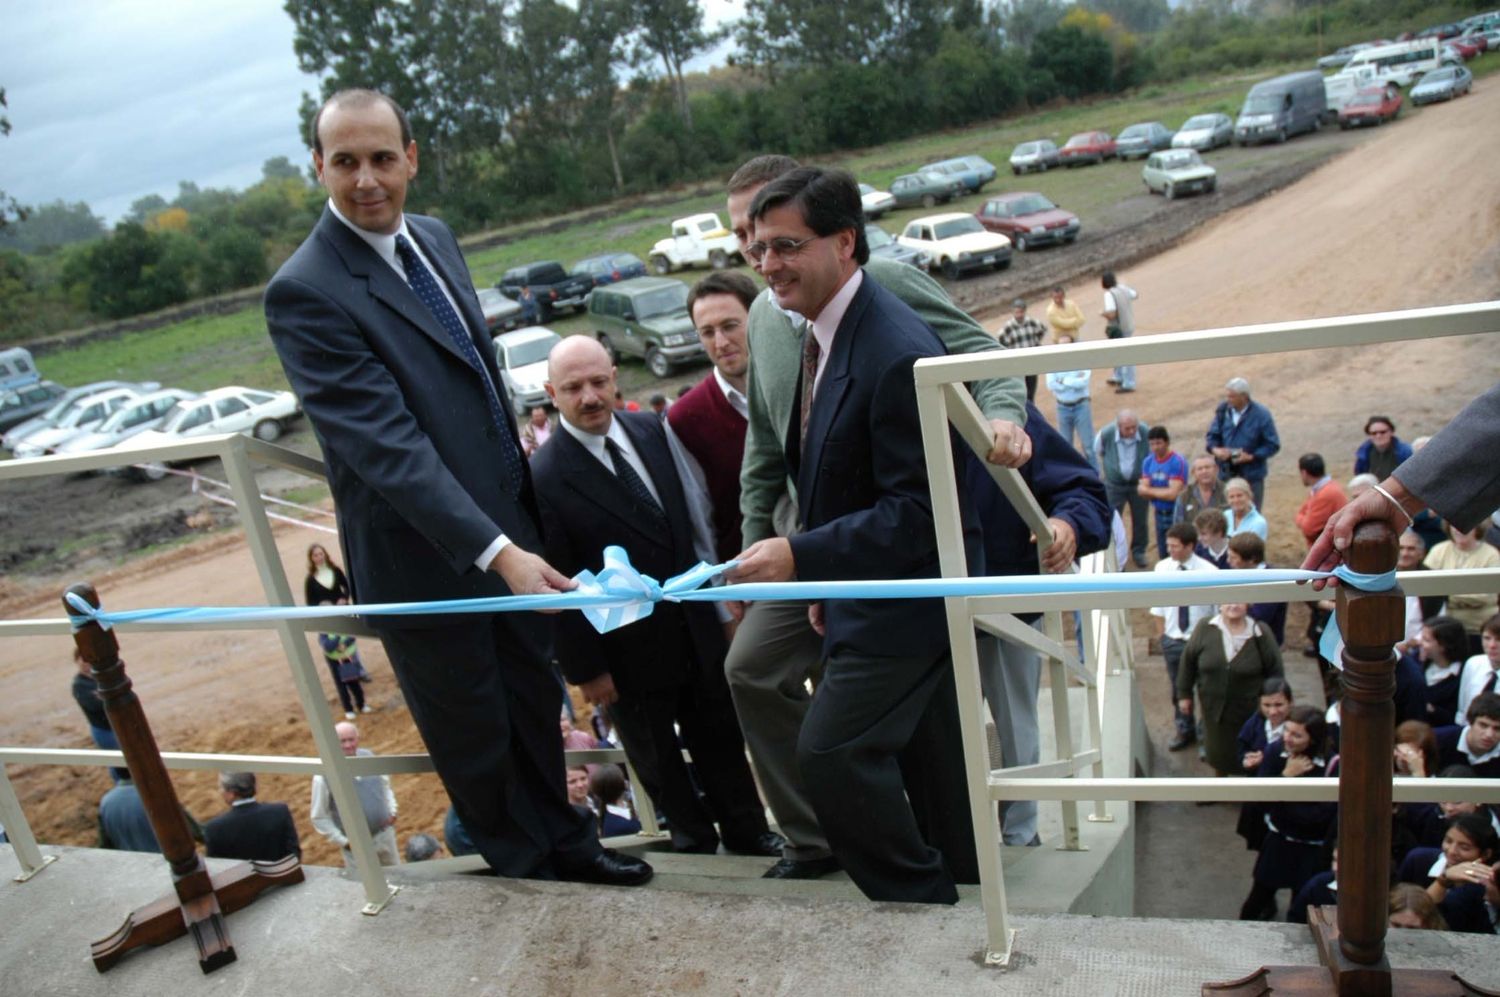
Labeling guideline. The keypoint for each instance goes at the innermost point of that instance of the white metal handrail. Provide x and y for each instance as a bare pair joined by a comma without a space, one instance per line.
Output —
943,402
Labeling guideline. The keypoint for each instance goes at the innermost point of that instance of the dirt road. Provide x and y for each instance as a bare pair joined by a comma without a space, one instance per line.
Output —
1410,218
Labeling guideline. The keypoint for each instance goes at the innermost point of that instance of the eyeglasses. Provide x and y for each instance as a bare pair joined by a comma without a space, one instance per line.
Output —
1379,432
785,248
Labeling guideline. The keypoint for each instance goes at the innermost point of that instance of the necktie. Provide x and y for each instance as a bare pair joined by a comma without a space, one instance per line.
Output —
633,483
426,287
1489,683
810,354
1182,611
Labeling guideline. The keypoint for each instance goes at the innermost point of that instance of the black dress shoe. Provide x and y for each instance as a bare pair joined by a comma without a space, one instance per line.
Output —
1182,740
610,868
804,869
769,844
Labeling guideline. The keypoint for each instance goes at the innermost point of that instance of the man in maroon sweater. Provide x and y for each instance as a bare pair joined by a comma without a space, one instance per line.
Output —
711,419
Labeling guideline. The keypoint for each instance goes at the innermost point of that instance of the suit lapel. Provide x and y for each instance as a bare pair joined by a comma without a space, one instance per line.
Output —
830,396
599,486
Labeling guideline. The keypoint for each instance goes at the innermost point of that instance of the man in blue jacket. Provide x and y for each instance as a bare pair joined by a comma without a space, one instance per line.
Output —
1242,438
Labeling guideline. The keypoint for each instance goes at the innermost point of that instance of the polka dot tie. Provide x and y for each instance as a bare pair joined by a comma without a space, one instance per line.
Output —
426,286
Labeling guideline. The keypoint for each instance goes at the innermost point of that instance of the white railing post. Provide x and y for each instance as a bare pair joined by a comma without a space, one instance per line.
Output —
262,543
1062,721
19,832
999,938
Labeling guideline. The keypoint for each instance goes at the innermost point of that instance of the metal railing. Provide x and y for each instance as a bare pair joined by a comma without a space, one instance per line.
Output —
944,402
240,455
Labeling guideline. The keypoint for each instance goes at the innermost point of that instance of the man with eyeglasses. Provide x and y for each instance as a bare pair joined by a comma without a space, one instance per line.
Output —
878,749
1382,451
775,652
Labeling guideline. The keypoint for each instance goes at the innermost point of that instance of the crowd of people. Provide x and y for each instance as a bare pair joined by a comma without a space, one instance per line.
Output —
795,458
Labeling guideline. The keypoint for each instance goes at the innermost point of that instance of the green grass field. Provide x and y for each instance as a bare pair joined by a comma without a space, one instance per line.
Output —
234,349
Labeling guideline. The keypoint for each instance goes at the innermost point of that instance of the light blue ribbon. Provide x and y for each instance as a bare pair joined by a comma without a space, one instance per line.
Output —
1331,644
620,595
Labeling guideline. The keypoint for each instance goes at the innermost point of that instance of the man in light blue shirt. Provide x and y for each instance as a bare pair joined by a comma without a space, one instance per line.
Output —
1075,413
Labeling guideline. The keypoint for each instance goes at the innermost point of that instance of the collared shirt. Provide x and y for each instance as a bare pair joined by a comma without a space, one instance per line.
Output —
826,325
1021,333
734,396
1235,414
1195,613
384,246
594,444
1434,674
1125,448
1317,486
242,803
1069,387
1477,672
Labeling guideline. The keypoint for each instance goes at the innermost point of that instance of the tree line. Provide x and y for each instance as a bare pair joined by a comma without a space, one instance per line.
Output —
530,107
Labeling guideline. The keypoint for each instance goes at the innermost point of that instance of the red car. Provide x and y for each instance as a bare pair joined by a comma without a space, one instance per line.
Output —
1087,147
1028,220
1467,48
1371,106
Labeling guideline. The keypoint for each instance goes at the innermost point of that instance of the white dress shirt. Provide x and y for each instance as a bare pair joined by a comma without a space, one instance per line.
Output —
826,325
1195,613
1477,671
734,396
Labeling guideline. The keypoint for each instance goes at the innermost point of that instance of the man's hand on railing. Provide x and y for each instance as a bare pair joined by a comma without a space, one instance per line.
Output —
1058,558
1393,506
1011,446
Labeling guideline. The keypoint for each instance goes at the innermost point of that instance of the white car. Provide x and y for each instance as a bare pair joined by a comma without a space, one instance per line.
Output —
1178,171
262,414
876,202
956,243
522,358
84,414
139,415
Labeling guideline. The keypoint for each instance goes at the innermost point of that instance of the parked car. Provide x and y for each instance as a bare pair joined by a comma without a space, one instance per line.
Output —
134,418
1337,59
553,288
1178,171
522,359
926,189
610,267
646,317
499,311
23,403
1442,84
1463,48
1039,155
1279,108
1085,148
696,240
1028,220
262,414
956,243
875,202
882,243
80,416
1204,132
972,171
1140,141
1371,106
1441,31
63,405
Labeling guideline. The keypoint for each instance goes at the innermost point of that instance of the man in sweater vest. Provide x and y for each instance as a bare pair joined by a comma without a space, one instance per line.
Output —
375,798
1120,452
710,419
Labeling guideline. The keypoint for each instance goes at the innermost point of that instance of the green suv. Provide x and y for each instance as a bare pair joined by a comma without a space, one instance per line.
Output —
646,317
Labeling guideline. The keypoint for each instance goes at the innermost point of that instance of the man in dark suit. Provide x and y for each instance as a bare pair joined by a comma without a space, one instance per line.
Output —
613,478
249,829
381,336
855,448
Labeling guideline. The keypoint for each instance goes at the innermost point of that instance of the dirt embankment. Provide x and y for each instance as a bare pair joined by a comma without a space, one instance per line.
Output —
1410,217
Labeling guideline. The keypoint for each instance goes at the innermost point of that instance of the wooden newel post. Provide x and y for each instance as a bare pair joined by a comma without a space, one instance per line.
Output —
199,901
1371,624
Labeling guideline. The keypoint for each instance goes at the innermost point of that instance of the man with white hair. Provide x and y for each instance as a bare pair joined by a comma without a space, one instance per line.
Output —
375,798
1242,437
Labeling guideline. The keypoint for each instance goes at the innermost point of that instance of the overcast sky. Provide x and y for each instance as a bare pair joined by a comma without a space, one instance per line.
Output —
111,100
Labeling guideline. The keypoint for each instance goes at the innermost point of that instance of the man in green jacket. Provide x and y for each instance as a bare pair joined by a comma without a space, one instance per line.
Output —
775,649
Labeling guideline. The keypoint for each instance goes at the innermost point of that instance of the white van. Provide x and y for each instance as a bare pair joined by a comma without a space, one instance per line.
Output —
1401,63
1341,86
17,369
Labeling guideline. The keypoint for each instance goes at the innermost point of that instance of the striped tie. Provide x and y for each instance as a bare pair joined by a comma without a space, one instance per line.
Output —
810,354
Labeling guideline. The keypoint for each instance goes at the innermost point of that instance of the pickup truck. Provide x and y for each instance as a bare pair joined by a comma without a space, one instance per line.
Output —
696,240
552,287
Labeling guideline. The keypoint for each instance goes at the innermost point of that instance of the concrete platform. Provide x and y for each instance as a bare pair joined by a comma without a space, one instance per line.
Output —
487,936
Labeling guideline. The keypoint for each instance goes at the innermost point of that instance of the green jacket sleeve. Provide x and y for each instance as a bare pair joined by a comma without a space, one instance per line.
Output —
763,476
998,398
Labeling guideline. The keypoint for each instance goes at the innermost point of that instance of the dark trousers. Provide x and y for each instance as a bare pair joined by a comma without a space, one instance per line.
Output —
1171,649
1163,524
880,769
488,714
351,694
1121,495
704,712
1031,387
